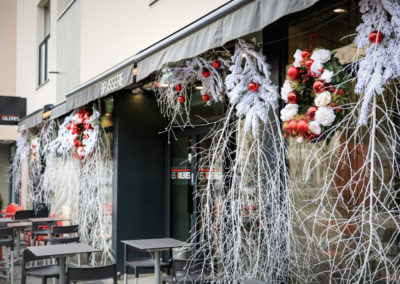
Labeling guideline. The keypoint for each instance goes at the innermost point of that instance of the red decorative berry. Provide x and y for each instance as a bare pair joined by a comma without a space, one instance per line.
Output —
156,84
205,97
253,86
311,112
216,64
292,97
178,87
302,126
319,86
205,73
293,72
181,99
308,63
305,54
376,37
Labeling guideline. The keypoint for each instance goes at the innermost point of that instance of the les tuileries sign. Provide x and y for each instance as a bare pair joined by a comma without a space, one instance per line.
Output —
11,109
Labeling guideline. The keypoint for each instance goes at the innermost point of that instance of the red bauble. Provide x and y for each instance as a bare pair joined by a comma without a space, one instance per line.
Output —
308,63
181,99
293,72
292,97
319,86
156,84
253,86
311,112
302,126
216,64
305,54
376,37
292,127
205,73
178,87
205,97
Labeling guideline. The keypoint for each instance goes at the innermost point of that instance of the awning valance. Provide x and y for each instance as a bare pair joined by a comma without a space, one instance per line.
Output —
100,88
59,110
31,120
216,31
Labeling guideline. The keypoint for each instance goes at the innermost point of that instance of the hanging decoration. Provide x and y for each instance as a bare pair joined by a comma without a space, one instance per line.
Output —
249,87
178,83
316,95
378,41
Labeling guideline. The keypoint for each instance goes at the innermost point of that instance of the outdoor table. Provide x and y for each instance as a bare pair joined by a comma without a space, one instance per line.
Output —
155,245
61,252
48,220
19,226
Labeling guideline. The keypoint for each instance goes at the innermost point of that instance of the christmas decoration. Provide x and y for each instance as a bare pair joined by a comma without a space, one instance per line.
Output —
181,99
35,148
156,84
249,87
312,94
378,38
216,64
205,97
206,73
178,87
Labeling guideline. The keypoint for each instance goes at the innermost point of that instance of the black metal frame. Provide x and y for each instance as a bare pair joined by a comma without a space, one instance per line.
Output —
44,43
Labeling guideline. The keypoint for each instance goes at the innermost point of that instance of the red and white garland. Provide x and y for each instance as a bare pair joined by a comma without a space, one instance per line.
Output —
35,148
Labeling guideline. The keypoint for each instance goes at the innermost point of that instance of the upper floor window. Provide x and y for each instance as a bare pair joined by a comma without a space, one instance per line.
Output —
44,46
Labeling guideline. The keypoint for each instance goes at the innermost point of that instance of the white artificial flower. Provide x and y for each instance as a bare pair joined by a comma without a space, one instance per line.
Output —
81,151
297,55
300,139
316,67
289,111
325,116
323,99
314,127
286,89
296,63
327,76
322,55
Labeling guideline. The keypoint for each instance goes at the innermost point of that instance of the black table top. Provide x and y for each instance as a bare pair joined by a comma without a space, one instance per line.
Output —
61,250
155,244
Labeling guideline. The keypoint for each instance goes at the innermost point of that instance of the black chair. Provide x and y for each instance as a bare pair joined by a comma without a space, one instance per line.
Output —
92,273
24,214
188,272
58,231
7,241
39,229
43,271
137,264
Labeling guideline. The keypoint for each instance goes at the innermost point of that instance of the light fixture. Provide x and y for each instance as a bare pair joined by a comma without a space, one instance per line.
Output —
339,10
164,85
199,87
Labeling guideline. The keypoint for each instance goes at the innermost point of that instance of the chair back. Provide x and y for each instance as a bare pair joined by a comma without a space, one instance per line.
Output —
39,226
63,240
60,230
92,273
7,237
42,211
24,214
27,256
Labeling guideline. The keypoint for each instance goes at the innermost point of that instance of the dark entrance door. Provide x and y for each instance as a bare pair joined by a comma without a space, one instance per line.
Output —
188,176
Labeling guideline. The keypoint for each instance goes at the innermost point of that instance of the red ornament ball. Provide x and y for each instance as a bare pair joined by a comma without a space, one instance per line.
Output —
156,84
305,54
178,87
292,126
253,86
181,99
293,72
376,37
302,126
308,63
205,97
292,97
216,64
319,86
311,112
205,73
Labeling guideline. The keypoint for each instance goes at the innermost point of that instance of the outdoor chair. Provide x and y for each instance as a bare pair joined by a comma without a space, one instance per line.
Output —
59,232
24,214
38,233
7,243
43,271
92,273
188,272
137,264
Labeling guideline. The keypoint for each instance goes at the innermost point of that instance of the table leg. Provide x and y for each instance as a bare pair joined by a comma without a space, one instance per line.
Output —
157,276
18,242
62,264
49,231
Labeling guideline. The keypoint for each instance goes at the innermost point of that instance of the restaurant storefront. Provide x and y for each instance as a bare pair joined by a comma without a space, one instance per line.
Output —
257,197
